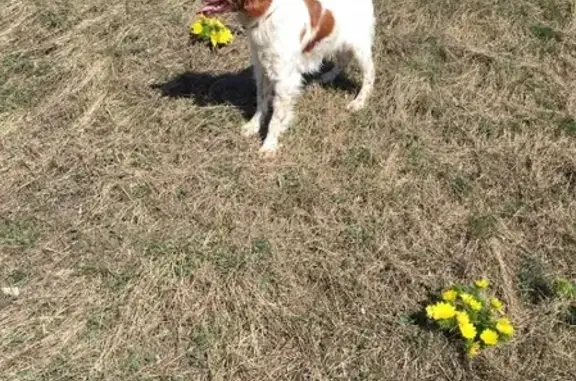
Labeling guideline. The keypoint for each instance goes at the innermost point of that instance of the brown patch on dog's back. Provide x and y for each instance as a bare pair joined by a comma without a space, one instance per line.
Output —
322,22
256,8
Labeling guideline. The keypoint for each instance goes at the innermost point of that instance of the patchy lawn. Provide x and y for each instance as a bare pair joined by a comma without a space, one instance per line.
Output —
148,241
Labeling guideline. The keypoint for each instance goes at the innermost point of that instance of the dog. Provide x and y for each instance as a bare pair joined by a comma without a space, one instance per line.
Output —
289,38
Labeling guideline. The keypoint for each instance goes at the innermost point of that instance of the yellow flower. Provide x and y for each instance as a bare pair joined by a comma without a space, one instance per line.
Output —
482,283
462,317
504,326
197,27
466,297
440,311
213,22
471,301
475,305
497,304
449,295
489,337
224,36
468,330
474,350
213,40
430,311
213,30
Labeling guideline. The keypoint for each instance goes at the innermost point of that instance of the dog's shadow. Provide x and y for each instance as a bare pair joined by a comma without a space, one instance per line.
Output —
237,89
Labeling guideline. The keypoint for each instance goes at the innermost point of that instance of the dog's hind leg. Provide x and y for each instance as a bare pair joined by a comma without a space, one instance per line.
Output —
366,62
341,60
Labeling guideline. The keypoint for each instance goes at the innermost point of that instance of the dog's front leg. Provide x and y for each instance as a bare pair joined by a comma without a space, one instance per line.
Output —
286,90
263,97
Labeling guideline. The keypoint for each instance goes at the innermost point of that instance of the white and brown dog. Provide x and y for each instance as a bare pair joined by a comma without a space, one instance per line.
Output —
289,38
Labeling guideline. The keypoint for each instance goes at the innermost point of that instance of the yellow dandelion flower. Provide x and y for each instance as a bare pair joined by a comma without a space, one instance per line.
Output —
482,283
489,337
475,305
214,39
474,350
462,317
504,326
430,311
496,304
449,295
216,23
468,330
471,301
466,297
441,311
224,36
197,27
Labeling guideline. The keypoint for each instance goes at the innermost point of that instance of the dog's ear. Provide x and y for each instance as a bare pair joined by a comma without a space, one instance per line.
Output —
256,8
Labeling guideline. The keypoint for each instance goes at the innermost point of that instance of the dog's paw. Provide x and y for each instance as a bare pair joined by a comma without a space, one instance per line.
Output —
250,129
269,150
355,105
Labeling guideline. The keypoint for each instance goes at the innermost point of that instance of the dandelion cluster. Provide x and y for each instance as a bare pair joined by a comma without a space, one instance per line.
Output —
213,30
479,320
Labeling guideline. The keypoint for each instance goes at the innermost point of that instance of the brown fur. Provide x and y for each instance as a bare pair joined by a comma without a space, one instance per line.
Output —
255,8
315,11
323,23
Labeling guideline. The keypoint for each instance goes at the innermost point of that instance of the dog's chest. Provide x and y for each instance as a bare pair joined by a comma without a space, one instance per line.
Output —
262,35
279,47
264,44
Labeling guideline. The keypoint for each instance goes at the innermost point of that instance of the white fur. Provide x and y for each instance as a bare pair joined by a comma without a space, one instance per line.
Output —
279,61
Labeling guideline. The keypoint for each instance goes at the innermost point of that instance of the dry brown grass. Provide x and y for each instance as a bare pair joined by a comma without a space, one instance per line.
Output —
150,242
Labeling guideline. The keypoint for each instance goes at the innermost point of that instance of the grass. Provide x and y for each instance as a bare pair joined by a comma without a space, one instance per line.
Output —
149,241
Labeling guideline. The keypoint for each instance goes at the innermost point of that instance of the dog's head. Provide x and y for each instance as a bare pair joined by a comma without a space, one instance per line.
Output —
253,8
